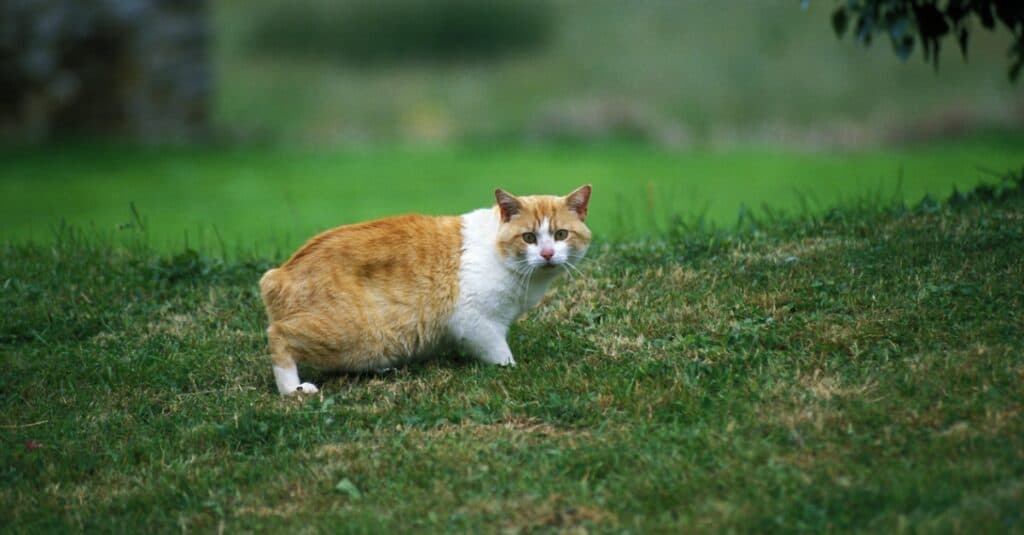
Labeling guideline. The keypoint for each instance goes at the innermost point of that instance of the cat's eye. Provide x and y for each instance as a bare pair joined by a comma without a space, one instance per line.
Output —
561,234
529,237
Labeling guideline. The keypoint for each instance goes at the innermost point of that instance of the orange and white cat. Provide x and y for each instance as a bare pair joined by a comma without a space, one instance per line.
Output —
372,295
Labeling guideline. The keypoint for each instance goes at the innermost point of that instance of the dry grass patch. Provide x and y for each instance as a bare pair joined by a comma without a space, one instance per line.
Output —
612,345
514,430
811,405
825,386
285,506
174,325
530,514
792,252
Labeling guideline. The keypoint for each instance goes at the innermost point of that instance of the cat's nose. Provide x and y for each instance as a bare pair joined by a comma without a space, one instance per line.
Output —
547,252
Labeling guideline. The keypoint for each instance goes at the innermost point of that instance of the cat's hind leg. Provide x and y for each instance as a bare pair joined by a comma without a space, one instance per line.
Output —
286,372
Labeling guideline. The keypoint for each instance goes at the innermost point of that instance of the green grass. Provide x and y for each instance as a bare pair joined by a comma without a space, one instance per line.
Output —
271,200
857,371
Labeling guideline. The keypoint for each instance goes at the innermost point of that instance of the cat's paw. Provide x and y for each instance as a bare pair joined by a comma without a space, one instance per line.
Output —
510,362
306,388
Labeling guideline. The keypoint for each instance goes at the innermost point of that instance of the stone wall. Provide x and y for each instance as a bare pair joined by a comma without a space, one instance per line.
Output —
110,68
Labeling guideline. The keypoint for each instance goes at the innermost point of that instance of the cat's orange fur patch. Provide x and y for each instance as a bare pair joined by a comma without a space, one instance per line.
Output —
361,296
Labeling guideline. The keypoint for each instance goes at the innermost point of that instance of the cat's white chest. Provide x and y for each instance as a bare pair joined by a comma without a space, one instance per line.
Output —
491,295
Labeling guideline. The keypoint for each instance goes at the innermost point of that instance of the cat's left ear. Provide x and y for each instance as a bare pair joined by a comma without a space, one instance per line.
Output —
577,201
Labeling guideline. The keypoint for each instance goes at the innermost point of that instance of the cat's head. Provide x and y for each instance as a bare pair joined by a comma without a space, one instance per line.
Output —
543,231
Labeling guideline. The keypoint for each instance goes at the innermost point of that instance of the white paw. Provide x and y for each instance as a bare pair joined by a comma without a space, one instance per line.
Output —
508,362
306,388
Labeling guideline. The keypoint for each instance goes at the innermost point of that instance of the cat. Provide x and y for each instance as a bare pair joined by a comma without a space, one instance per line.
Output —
373,295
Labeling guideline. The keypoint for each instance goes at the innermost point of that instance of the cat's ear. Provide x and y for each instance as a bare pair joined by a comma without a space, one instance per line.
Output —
508,204
577,201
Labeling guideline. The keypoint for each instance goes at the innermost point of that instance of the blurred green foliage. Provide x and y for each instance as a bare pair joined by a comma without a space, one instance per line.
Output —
375,32
724,73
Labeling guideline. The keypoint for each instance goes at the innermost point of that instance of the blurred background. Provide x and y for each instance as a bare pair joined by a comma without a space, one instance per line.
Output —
260,122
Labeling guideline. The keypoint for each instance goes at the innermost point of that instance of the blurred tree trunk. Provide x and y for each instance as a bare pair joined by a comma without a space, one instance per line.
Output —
110,68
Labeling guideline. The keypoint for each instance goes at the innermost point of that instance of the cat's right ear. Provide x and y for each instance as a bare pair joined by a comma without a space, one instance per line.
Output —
508,204
577,200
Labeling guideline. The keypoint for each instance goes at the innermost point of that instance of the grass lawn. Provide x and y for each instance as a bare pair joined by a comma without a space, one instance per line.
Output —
855,371
269,201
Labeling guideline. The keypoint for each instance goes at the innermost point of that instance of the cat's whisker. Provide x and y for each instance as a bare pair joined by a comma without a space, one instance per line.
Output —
522,269
522,285
526,291
572,268
525,284
520,266
566,269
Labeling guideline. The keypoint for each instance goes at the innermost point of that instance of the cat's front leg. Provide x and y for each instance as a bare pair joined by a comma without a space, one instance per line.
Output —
487,343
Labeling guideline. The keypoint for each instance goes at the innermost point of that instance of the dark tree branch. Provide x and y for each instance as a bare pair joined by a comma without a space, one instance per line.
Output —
929,22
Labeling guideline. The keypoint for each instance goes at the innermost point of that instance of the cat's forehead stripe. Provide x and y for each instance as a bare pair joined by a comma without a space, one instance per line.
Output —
544,207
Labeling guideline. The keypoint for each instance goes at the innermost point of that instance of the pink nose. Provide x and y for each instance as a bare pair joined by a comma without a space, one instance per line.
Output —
547,253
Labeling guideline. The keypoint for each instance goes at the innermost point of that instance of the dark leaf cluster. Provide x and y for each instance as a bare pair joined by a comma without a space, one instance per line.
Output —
929,23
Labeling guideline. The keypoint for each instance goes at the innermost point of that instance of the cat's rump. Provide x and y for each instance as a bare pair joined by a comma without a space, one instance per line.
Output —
270,291
364,296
